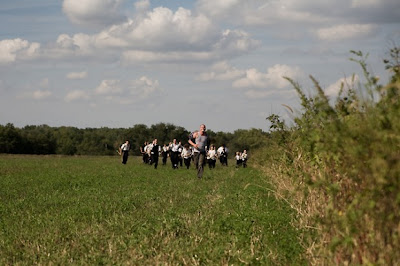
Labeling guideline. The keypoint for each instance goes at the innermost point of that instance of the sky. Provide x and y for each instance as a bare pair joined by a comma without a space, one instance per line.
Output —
118,63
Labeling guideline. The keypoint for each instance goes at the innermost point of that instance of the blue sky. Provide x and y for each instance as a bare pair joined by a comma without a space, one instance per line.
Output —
117,63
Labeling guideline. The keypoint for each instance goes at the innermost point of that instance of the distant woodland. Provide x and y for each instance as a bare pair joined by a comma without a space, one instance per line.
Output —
44,139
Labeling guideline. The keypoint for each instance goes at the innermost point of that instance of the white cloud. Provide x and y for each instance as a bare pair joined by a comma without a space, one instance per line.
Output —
77,75
41,94
159,35
347,31
76,95
221,71
217,7
142,5
112,91
347,83
285,12
273,78
258,12
145,87
108,87
10,50
35,95
94,13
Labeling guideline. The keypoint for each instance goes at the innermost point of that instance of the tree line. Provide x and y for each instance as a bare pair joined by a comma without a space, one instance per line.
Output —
65,140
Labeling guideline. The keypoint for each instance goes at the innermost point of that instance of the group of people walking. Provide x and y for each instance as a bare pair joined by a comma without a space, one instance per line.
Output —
198,150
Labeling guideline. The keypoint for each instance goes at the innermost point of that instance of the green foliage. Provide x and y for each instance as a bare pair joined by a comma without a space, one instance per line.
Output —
93,210
10,139
347,156
105,141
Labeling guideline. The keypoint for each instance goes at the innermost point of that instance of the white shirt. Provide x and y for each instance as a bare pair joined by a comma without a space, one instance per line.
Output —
175,147
186,153
125,147
212,154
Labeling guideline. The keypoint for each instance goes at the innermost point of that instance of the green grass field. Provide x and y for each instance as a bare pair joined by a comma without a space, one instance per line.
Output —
94,210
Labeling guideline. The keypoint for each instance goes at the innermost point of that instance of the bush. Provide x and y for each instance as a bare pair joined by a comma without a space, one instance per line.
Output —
339,167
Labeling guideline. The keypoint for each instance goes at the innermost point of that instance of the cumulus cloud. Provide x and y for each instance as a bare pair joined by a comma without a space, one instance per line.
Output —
36,95
142,5
94,13
77,75
111,91
347,31
76,95
41,94
258,12
280,12
108,87
158,35
145,87
273,78
221,71
344,83
11,50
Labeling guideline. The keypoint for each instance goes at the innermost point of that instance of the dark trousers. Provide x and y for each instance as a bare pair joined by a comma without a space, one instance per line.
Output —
174,159
187,162
154,159
199,160
211,163
125,155
164,158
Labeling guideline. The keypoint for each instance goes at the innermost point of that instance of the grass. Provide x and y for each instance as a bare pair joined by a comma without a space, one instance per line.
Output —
94,210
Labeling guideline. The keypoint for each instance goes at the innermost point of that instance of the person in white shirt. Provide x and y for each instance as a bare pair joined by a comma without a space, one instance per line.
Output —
223,155
174,147
148,151
124,151
180,158
211,157
186,155
164,152
238,159
244,159
155,151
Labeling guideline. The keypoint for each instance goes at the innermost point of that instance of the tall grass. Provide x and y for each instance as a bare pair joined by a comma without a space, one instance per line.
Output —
339,166
94,210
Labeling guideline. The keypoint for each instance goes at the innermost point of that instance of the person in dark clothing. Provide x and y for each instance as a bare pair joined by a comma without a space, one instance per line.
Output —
143,152
124,151
155,153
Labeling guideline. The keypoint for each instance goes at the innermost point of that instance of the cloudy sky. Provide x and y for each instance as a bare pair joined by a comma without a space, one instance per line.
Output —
117,63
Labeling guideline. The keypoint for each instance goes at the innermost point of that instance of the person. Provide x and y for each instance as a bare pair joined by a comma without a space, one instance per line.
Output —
124,151
174,147
186,155
199,140
211,157
244,158
155,151
223,155
238,158
144,153
147,149
164,152
180,158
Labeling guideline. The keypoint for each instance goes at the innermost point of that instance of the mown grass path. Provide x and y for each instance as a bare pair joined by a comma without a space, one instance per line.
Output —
94,210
